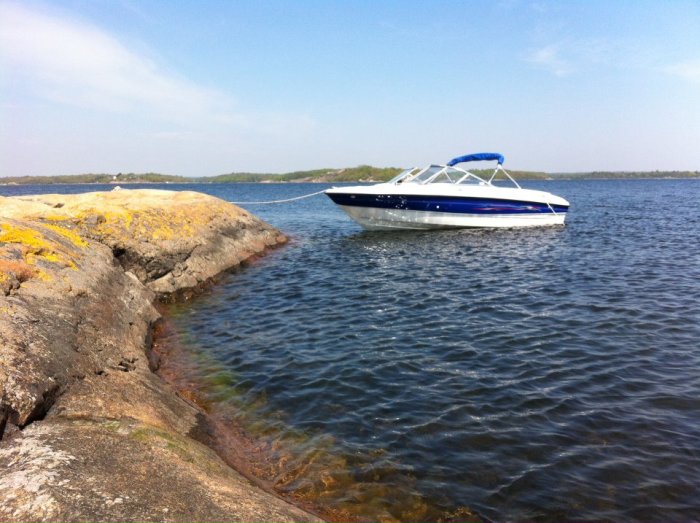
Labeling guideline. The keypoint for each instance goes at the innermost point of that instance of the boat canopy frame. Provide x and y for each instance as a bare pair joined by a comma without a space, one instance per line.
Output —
409,175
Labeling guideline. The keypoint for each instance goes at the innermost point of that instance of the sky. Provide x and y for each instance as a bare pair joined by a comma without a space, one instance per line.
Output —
202,88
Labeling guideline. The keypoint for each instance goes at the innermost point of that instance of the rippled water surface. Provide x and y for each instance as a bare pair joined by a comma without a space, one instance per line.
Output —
536,374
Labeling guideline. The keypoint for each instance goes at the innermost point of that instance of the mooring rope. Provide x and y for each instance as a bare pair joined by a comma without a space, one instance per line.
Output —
281,201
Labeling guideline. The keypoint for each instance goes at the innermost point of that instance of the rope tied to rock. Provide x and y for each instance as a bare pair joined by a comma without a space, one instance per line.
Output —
281,201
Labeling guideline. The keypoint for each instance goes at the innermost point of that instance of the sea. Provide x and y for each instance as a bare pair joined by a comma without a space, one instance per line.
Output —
542,374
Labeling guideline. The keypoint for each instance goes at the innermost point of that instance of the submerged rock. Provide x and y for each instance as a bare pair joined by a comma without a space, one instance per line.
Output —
87,431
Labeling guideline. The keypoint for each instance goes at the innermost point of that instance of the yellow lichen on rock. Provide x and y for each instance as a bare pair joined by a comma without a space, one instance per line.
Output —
168,240
22,248
71,235
24,236
144,217
55,217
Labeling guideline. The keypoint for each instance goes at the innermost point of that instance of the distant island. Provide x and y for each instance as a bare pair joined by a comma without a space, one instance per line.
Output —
362,173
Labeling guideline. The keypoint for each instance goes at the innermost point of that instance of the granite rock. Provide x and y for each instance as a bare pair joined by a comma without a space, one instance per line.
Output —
87,431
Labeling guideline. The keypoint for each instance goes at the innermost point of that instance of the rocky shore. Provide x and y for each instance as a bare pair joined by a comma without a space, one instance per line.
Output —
87,430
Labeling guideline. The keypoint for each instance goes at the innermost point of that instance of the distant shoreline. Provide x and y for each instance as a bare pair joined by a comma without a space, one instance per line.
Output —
362,174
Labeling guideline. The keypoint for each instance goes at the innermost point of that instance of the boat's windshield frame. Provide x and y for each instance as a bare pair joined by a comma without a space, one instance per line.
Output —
436,173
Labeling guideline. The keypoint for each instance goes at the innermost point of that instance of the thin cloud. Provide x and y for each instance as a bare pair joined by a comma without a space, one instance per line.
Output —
550,59
75,63
585,55
131,111
689,70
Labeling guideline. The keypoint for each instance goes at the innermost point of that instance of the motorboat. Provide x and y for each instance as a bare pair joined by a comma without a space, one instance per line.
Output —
447,196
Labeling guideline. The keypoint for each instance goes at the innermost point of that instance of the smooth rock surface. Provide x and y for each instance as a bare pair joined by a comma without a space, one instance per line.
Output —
88,431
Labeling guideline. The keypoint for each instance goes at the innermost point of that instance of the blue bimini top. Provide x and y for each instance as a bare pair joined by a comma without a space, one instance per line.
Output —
476,158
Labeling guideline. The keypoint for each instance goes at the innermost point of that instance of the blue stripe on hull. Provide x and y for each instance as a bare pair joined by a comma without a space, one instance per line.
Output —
452,204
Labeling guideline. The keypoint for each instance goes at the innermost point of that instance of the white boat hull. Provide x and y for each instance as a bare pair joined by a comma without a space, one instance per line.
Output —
377,219
441,206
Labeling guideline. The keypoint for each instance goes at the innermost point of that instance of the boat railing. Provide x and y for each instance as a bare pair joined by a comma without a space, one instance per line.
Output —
499,168
448,174
468,175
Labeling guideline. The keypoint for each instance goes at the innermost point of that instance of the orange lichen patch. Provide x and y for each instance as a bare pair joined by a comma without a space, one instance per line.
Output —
18,269
14,273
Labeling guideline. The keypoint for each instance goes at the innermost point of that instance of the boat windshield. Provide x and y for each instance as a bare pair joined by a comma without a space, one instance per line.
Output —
407,174
426,174
437,174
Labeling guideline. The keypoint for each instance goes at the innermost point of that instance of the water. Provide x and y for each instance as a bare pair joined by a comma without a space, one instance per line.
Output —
541,374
